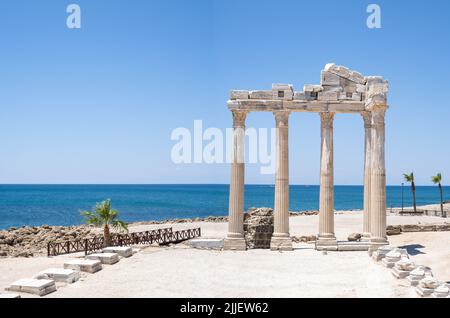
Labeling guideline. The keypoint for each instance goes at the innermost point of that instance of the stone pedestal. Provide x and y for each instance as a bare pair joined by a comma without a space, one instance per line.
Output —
427,285
235,237
62,275
403,268
442,291
123,251
326,237
281,240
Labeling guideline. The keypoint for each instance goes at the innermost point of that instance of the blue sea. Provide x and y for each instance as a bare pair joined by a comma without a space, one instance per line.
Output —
61,204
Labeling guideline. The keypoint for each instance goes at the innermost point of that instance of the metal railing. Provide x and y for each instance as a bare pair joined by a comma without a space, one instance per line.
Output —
160,236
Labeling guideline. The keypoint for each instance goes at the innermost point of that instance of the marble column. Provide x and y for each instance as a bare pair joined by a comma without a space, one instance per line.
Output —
235,238
378,183
281,239
326,238
367,117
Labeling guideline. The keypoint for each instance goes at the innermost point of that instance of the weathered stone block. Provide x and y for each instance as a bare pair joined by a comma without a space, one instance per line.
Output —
356,97
123,251
239,94
38,287
104,258
299,96
206,243
442,291
261,94
84,265
329,78
61,275
312,88
327,96
360,88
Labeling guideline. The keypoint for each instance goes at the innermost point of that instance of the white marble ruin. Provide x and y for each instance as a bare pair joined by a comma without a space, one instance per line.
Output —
442,291
62,275
104,258
427,285
340,91
381,252
403,267
123,251
84,265
38,287
394,256
417,274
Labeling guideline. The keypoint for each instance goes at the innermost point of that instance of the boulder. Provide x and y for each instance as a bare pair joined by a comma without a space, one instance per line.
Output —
354,237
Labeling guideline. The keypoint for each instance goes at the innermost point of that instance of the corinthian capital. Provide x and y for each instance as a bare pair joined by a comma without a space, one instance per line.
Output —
326,119
239,117
281,118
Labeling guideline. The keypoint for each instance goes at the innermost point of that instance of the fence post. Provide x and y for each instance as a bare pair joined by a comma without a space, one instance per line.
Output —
68,247
48,249
85,246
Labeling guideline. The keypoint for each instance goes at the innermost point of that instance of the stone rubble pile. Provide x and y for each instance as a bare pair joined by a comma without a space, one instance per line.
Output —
419,277
258,227
32,241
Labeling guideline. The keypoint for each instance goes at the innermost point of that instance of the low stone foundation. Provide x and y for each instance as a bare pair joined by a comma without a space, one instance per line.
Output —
398,229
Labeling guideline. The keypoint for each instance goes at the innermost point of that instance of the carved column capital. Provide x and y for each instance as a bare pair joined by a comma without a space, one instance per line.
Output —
326,119
239,117
281,118
367,117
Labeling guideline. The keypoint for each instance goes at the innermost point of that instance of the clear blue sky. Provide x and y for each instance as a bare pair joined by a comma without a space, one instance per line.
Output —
97,105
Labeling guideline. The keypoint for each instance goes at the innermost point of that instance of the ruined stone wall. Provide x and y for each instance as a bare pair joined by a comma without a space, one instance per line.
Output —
258,227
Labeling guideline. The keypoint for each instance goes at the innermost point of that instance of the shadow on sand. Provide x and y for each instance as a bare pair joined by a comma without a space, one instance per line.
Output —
413,249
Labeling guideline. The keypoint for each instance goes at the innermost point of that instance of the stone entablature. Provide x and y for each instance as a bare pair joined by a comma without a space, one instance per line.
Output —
340,91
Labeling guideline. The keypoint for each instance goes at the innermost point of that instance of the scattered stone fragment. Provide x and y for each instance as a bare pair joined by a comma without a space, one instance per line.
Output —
61,275
84,265
354,237
40,287
9,295
123,251
104,258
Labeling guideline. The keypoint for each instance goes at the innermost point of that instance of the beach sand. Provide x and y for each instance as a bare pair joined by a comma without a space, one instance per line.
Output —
179,271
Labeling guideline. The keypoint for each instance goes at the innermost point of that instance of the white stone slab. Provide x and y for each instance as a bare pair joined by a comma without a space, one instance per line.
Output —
105,258
424,292
123,251
399,273
38,287
261,94
84,265
9,295
206,243
62,275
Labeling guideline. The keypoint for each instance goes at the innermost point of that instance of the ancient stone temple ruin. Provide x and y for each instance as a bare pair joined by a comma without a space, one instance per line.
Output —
341,91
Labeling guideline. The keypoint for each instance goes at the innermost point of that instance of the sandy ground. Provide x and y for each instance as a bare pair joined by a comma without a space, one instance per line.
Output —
179,271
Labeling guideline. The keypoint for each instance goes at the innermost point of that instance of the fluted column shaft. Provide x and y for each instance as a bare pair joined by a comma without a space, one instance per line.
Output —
326,205
367,117
281,239
235,238
378,182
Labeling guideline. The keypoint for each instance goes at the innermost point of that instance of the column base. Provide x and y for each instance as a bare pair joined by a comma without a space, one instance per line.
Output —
326,243
234,244
375,243
281,243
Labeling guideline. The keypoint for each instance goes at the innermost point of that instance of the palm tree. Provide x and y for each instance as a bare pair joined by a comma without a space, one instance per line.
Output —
104,215
410,178
437,179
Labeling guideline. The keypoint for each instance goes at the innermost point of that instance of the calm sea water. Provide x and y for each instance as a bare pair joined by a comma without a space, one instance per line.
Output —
61,204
